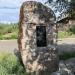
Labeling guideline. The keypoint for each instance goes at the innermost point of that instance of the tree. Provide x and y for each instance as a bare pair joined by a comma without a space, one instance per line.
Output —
62,8
72,9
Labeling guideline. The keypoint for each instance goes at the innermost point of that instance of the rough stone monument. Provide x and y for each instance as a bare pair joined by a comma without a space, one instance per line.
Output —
37,38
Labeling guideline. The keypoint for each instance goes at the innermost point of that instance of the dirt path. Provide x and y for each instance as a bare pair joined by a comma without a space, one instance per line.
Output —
67,44
8,45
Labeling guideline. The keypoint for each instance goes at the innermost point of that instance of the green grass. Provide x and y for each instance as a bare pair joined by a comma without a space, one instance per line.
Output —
69,33
10,65
8,31
64,34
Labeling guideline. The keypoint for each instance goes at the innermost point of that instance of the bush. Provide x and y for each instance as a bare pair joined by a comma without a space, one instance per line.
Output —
72,29
8,31
63,34
10,65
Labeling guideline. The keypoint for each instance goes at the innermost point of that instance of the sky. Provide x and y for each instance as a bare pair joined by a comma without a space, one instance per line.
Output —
15,3
9,9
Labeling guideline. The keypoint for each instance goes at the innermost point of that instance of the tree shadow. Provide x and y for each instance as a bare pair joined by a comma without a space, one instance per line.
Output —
66,48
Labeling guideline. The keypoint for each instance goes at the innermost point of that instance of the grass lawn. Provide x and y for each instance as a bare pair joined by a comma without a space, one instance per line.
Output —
68,33
65,34
10,64
8,32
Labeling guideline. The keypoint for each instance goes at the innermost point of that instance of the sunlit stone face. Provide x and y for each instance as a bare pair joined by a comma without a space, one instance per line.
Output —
37,38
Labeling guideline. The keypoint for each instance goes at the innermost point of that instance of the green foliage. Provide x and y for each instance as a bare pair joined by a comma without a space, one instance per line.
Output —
69,33
64,7
10,65
63,34
72,9
8,31
14,36
72,29
5,28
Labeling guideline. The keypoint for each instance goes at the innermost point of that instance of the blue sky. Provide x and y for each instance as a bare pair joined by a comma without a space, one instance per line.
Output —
14,3
9,9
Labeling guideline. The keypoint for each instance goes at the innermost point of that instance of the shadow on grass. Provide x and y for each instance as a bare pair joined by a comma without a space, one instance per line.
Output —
72,29
66,51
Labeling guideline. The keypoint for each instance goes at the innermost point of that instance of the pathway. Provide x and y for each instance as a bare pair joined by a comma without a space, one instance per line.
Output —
67,44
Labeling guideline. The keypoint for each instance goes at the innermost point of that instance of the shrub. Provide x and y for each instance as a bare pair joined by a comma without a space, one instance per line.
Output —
10,65
63,34
72,29
8,31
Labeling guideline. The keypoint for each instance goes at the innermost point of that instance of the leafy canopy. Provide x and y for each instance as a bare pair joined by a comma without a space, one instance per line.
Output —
62,8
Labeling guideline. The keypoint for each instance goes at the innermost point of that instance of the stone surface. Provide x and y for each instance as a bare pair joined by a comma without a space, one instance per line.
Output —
37,60
66,67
